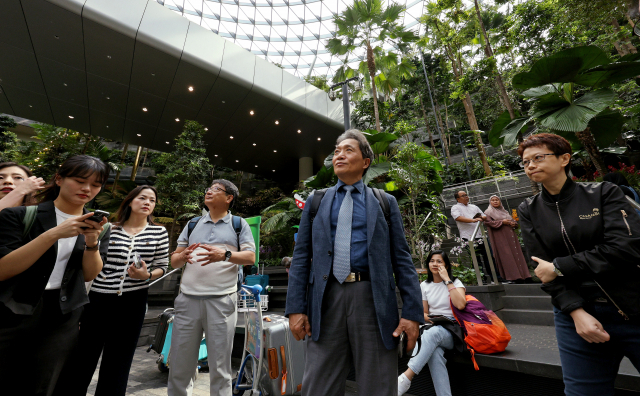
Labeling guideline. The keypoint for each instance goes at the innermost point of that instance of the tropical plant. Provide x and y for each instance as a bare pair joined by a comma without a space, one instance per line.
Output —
369,25
8,140
281,215
571,97
477,141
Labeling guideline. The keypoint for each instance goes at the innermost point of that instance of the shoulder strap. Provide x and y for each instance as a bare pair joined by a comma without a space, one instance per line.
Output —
106,226
381,196
237,226
315,203
192,225
29,219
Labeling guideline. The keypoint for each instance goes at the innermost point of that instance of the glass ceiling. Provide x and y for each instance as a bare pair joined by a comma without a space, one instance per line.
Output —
290,33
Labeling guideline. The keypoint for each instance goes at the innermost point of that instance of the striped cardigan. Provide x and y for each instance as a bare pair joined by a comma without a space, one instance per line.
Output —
152,244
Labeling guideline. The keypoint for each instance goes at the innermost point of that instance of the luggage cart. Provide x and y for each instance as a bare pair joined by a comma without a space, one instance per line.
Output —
248,377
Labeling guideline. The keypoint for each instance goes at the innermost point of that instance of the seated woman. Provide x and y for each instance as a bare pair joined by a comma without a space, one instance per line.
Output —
507,252
17,185
437,293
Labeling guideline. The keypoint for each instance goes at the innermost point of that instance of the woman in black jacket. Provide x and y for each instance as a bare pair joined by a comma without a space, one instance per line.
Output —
585,238
44,264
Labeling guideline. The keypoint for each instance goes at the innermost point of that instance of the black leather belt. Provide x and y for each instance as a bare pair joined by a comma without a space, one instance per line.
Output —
357,277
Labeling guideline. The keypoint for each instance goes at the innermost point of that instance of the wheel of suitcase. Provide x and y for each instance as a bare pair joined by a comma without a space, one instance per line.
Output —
163,368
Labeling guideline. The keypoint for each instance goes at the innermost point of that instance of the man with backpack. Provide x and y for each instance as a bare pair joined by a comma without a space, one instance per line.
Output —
344,299
213,248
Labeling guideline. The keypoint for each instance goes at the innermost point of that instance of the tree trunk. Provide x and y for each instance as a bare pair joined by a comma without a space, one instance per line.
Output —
471,115
124,154
426,125
589,143
489,53
481,153
371,64
446,123
625,45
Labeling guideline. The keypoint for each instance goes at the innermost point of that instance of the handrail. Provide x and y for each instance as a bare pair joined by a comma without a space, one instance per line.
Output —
163,276
480,226
633,203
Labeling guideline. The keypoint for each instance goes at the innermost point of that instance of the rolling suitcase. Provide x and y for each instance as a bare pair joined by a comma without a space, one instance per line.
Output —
283,362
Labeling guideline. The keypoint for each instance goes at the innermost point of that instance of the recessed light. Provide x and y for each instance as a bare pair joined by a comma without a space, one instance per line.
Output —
177,120
56,36
223,102
237,161
138,134
251,112
206,129
273,170
65,84
275,151
108,98
299,131
153,74
190,89
30,106
256,166
144,109
167,142
215,155
230,137
72,117
107,126
277,122
108,56
319,139
254,144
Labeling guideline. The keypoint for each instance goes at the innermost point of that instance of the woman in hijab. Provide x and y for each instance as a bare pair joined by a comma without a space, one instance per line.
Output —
506,246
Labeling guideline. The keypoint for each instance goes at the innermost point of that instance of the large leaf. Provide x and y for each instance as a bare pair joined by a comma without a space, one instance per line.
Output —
509,134
495,138
607,75
432,160
560,67
540,91
321,179
606,127
575,117
380,141
328,162
376,170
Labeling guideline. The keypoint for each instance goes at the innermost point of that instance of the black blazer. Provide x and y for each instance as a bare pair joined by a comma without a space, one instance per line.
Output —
22,293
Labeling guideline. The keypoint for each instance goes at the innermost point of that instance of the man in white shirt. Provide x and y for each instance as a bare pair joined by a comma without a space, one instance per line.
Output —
466,216
207,301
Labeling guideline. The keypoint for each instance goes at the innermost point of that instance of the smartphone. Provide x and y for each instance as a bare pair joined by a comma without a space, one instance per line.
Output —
98,215
137,261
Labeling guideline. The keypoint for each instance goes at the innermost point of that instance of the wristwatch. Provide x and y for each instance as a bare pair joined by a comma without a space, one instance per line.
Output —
447,283
92,249
150,275
556,269
227,255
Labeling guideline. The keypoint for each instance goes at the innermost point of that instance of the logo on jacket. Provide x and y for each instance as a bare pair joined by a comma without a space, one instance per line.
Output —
596,212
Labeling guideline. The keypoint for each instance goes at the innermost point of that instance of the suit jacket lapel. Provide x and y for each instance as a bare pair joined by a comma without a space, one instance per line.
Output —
47,218
372,214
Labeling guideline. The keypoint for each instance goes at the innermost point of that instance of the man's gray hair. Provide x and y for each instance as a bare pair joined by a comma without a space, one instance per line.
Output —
363,144
229,187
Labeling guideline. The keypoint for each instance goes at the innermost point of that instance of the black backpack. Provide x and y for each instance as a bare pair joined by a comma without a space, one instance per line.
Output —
237,226
379,194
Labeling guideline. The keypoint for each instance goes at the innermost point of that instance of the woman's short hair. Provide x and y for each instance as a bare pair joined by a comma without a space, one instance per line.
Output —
28,199
363,144
124,211
77,166
555,143
447,264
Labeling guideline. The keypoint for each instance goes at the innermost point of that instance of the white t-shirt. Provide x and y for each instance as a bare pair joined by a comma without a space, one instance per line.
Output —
468,211
65,247
437,296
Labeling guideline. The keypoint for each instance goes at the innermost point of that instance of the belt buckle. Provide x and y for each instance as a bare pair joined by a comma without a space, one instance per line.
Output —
351,277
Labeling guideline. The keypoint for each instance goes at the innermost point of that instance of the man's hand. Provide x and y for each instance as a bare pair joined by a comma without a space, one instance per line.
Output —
212,255
300,326
588,327
411,328
544,270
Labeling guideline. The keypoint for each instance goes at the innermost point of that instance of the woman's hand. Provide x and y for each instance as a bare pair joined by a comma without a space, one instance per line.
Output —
71,227
30,185
506,222
589,327
138,273
442,271
92,232
544,270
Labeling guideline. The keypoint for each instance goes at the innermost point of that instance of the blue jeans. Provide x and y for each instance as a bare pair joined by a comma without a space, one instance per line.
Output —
434,342
591,369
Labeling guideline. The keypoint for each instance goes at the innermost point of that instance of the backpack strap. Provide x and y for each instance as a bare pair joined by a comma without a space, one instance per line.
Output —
237,227
105,227
381,196
315,203
192,224
29,219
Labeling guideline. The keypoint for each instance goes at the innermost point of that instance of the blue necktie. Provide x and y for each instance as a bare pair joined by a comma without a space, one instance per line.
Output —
342,244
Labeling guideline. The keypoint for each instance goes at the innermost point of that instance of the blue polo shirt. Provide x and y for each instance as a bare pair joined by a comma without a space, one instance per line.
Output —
359,250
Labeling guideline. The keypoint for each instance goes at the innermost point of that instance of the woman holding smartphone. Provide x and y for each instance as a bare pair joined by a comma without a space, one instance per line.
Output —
17,185
43,274
439,291
585,238
120,289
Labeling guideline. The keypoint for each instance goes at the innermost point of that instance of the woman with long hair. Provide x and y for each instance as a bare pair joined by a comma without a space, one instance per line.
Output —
585,238
45,261
439,291
17,185
120,288
505,243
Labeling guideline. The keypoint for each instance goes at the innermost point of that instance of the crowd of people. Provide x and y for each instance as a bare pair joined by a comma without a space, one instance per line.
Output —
74,287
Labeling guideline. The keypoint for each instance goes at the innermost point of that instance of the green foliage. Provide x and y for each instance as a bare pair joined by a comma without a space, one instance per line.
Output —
464,273
320,82
8,140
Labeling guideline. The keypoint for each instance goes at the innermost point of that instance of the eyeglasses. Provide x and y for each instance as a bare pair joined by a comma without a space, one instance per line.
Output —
536,160
462,196
215,189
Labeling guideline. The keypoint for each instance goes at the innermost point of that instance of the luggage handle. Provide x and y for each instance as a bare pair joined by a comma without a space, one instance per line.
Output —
283,387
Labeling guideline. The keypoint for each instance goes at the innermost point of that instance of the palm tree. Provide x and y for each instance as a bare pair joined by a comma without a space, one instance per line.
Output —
284,214
368,24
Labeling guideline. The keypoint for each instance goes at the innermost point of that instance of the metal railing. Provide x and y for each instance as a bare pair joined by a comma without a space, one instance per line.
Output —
480,226
633,203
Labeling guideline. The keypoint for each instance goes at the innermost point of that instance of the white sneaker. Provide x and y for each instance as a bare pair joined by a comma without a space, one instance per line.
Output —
403,384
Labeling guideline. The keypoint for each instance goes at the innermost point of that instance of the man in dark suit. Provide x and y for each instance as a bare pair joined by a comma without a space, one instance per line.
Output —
344,299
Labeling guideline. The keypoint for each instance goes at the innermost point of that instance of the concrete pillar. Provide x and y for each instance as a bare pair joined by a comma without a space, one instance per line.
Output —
305,168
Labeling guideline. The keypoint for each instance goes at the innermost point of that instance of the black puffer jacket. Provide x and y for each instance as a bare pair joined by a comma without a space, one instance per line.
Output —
593,233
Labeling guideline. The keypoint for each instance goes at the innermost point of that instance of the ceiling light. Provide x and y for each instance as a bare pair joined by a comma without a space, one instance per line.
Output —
230,137
138,134
277,122
251,112
206,129
177,120
237,161
153,74
299,131
273,170
30,106
223,102
275,151
256,166
65,84
318,139
108,98
254,144
167,142
144,109
107,128
215,155
108,56
332,95
71,117
190,89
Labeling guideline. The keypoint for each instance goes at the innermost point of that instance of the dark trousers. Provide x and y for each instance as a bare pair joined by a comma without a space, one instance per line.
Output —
591,369
34,348
349,335
110,325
